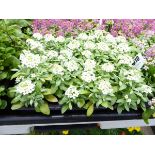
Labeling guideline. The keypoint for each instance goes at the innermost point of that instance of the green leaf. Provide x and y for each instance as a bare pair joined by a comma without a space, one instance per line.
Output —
3,104
17,106
63,100
51,98
47,92
80,103
147,114
122,87
64,108
44,108
83,92
119,110
16,99
15,75
105,104
90,110
3,75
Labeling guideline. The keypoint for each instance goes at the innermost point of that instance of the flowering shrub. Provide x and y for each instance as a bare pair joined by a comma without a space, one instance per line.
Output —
61,27
93,69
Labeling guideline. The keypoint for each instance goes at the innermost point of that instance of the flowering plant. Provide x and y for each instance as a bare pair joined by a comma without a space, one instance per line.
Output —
63,27
93,69
130,27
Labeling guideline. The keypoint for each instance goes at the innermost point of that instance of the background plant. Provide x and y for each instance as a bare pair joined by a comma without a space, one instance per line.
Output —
63,27
12,41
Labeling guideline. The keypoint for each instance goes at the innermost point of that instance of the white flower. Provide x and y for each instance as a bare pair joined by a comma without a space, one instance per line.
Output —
89,65
62,58
52,54
34,44
60,39
72,92
88,76
108,67
83,36
89,45
125,59
37,36
25,87
133,75
98,32
71,65
126,97
121,39
57,69
123,47
49,37
18,79
110,39
74,44
43,58
145,89
29,59
33,75
91,37
87,54
67,53
145,67
103,46
105,87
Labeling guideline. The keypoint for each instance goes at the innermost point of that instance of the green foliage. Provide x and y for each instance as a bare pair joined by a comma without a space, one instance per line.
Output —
12,41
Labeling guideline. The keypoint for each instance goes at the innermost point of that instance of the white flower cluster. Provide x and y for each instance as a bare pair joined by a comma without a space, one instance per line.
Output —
108,67
29,59
75,44
123,47
105,87
89,65
72,92
49,37
37,36
146,89
121,39
125,59
71,65
57,69
60,39
87,54
110,39
103,46
51,54
88,76
25,87
89,45
66,53
133,75
83,36
34,44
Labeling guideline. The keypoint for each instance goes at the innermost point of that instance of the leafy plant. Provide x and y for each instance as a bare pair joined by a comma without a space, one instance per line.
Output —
93,69
12,41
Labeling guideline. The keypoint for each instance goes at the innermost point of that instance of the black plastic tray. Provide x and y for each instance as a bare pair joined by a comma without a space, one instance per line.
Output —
29,116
